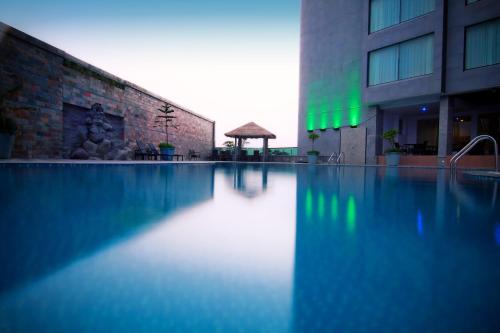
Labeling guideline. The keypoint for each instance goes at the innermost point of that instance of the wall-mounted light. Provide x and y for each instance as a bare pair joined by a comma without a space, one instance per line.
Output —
354,126
336,128
322,129
424,109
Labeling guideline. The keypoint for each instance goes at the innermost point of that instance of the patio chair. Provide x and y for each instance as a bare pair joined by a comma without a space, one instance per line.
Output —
143,151
420,148
193,155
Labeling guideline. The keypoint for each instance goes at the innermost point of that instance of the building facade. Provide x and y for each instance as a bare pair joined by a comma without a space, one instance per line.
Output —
428,68
55,93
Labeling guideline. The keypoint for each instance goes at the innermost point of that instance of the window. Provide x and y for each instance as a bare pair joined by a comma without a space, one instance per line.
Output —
482,44
386,13
401,61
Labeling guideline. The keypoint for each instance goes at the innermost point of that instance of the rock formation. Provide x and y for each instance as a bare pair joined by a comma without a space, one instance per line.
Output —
97,141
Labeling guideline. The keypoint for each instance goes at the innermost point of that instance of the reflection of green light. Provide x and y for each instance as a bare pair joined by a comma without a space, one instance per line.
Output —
335,208
351,215
321,205
309,203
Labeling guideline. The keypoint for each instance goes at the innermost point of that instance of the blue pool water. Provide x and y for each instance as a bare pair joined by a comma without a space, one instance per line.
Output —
247,248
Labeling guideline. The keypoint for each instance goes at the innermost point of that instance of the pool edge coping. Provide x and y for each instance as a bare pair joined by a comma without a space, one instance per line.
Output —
148,162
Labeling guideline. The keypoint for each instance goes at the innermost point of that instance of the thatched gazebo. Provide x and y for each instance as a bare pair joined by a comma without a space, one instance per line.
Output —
251,131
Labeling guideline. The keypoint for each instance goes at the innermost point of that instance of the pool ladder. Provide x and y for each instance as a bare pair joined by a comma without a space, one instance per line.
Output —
338,159
454,160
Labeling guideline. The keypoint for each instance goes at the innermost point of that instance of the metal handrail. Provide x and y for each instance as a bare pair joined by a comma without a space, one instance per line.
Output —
332,156
341,156
454,160
466,147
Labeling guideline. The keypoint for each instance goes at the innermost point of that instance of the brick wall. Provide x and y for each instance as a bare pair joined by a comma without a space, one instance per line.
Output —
50,78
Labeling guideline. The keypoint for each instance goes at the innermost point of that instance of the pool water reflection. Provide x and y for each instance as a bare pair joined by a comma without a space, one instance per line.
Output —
227,248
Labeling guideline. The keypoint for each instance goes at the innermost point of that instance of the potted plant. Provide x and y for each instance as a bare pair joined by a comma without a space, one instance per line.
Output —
164,119
392,154
167,150
312,155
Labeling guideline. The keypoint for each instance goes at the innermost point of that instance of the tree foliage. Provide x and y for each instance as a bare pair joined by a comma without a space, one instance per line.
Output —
165,118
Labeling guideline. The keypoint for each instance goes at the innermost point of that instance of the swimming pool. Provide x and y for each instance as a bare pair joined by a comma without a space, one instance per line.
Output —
246,248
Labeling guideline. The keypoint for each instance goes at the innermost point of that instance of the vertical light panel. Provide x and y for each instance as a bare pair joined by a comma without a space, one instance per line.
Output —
354,97
323,113
313,105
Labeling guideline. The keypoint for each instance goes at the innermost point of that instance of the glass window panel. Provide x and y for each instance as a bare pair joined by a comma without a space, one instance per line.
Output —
383,66
416,57
383,14
414,8
482,46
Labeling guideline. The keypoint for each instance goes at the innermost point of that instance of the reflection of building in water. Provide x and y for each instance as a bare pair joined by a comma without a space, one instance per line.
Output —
77,213
250,183
250,180
392,250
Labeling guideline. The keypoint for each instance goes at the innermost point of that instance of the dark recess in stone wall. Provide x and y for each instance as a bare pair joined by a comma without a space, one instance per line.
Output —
74,120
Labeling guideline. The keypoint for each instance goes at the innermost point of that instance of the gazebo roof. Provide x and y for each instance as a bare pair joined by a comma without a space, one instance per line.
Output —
250,131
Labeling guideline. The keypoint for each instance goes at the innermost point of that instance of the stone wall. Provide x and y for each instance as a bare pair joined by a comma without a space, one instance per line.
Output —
50,78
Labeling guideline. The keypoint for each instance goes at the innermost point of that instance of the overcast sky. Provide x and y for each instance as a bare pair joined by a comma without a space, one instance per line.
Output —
233,61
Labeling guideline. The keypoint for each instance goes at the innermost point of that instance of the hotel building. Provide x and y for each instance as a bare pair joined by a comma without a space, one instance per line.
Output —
428,68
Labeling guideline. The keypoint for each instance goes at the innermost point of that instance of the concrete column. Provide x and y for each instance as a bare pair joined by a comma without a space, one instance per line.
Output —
445,130
374,128
240,146
235,150
473,124
264,150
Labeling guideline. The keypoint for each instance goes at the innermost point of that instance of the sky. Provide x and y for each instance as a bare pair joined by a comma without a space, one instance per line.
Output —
233,61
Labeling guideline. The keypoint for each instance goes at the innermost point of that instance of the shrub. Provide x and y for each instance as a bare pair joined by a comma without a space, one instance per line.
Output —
313,137
166,145
390,136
